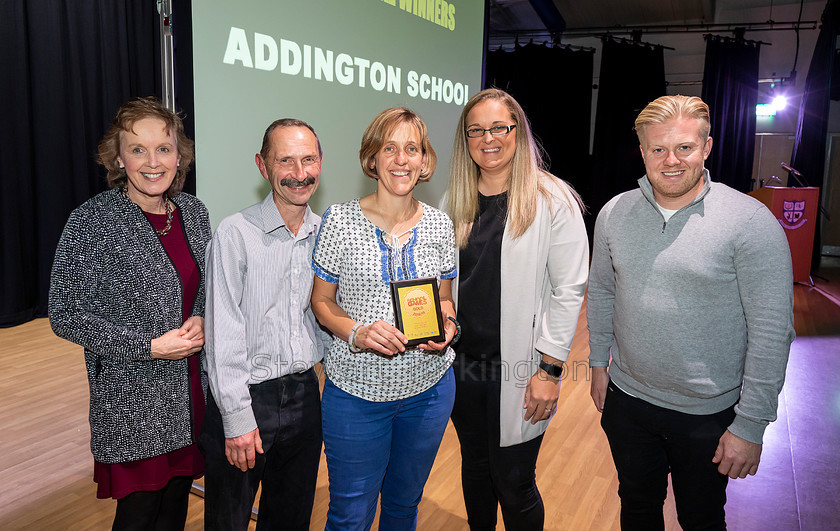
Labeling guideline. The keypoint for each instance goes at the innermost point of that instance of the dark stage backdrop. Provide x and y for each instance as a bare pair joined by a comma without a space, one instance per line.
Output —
632,75
730,89
554,86
67,66
810,145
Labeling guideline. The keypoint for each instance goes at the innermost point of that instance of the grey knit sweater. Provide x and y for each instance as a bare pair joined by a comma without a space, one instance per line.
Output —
114,289
697,312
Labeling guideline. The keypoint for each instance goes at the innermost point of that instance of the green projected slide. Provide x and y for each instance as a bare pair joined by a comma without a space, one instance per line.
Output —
334,64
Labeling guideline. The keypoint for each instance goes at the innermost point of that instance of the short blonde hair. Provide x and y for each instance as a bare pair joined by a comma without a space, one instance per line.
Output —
668,107
130,113
381,128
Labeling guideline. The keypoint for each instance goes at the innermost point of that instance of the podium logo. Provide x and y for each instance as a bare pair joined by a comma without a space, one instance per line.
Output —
793,213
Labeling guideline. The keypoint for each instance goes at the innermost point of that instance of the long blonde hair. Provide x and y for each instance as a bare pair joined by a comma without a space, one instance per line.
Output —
525,183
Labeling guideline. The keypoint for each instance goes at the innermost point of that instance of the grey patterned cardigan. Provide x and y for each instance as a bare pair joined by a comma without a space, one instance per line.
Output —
114,289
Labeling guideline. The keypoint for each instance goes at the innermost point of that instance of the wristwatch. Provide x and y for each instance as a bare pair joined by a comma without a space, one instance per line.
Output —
552,370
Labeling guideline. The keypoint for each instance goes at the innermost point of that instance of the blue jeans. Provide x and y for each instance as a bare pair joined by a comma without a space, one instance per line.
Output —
381,448
647,442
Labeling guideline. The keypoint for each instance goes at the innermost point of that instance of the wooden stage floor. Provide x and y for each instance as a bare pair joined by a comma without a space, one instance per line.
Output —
46,466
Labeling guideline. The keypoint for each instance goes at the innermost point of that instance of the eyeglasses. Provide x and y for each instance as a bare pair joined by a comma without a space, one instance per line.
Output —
496,130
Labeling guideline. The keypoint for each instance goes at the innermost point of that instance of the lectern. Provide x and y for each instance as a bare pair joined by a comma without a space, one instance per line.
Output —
796,209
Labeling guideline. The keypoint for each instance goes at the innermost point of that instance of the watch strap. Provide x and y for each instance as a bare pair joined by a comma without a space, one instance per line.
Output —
555,371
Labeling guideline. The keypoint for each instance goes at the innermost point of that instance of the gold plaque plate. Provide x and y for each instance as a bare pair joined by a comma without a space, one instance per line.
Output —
417,310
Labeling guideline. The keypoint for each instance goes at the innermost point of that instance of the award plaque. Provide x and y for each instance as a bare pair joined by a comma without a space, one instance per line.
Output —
417,310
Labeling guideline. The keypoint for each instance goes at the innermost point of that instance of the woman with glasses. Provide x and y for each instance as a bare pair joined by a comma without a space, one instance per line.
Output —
523,259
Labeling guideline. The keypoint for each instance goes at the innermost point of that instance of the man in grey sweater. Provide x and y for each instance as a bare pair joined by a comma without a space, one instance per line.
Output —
690,312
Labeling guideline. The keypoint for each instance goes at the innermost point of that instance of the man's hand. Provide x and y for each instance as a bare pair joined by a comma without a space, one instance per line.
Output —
736,457
242,451
541,396
598,386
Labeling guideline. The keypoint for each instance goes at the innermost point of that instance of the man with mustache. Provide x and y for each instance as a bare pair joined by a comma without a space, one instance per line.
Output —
263,421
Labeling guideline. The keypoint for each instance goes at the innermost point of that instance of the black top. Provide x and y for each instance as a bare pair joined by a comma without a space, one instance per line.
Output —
479,282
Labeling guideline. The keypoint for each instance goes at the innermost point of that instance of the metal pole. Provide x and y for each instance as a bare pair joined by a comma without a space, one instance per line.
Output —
167,68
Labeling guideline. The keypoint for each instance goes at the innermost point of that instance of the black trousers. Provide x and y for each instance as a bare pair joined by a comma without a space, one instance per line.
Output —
648,442
491,475
288,414
161,510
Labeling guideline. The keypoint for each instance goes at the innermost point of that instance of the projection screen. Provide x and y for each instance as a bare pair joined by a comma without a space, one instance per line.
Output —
334,64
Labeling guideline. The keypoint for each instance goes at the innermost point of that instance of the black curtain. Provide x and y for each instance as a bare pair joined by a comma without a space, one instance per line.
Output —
183,65
730,89
554,87
809,146
66,65
632,75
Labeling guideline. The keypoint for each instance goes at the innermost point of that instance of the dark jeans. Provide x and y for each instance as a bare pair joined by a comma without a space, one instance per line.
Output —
648,442
160,510
492,475
288,414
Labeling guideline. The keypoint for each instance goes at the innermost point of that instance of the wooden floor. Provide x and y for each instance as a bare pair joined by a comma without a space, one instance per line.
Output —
46,466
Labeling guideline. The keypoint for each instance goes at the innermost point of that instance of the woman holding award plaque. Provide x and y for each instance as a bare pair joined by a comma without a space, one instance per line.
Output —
383,269
523,258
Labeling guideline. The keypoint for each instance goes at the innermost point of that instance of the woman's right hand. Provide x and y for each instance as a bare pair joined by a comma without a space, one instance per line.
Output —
381,337
174,346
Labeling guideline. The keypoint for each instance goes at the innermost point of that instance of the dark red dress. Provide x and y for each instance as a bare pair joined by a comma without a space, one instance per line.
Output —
118,480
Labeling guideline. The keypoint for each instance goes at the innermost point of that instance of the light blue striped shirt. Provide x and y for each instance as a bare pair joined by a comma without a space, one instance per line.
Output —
259,325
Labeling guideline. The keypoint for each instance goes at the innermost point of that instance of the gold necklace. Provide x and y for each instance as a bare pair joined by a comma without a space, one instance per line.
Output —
168,226
168,205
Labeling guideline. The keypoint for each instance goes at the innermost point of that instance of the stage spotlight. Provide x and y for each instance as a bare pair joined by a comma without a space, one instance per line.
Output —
772,95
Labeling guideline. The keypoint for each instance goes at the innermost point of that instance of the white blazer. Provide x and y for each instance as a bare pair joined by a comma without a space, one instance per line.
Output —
543,280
